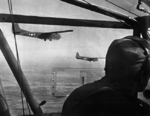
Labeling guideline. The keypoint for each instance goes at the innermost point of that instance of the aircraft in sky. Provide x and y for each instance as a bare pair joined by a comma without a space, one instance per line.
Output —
139,23
90,59
41,35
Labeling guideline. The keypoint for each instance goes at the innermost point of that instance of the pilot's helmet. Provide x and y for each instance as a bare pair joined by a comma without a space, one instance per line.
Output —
127,57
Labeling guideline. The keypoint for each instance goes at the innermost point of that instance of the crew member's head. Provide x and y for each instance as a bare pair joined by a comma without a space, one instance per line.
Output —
128,63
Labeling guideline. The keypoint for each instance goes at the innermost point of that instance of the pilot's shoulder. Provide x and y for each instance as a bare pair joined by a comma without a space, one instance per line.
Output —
83,90
108,93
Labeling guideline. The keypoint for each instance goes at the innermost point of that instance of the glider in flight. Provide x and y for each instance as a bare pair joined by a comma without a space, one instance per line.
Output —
41,35
90,59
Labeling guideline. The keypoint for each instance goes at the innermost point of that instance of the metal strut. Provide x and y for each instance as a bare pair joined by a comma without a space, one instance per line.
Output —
13,64
4,109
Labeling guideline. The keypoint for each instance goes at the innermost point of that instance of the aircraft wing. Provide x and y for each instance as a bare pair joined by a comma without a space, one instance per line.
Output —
88,59
52,35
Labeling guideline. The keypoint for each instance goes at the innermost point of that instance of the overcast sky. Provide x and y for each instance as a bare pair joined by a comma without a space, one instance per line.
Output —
92,42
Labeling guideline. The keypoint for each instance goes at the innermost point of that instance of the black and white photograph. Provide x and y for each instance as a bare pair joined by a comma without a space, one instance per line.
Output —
75,58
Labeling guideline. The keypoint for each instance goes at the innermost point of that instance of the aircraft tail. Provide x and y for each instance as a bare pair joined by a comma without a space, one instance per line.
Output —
77,55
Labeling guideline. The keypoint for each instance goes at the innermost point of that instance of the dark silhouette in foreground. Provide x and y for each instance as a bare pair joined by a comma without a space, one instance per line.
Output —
127,73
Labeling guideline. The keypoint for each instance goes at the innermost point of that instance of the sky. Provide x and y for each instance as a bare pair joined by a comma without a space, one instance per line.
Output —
92,42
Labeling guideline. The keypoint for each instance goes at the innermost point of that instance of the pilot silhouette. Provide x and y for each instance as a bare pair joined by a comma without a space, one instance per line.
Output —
127,71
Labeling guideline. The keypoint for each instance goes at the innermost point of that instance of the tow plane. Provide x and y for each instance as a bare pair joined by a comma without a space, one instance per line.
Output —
90,59
41,35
